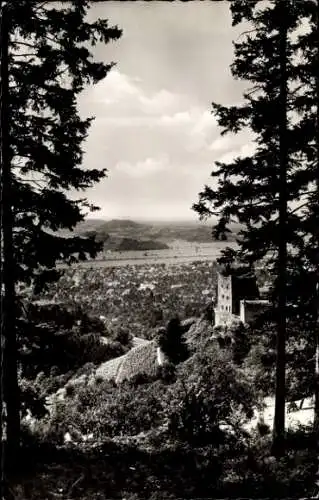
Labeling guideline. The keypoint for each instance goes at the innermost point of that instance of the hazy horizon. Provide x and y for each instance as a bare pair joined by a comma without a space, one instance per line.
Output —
96,216
145,220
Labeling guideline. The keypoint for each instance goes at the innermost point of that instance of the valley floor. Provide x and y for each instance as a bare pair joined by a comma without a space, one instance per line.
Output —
179,252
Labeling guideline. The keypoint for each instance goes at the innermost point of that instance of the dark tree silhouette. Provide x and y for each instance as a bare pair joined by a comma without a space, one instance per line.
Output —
260,190
172,343
46,65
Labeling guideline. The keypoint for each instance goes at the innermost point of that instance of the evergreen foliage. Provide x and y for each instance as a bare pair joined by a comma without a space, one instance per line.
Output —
172,342
265,190
47,65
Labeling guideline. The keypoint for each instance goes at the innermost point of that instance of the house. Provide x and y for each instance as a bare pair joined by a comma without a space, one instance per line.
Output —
142,359
238,296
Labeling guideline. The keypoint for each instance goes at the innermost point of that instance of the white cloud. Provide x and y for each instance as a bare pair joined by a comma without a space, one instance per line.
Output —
154,145
204,122
159,102
222,143
114,88
244,150
154,131
200,134
119,94
133,124
180,118
143,168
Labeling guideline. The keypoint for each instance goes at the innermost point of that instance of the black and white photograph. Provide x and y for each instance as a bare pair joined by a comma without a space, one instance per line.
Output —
159,185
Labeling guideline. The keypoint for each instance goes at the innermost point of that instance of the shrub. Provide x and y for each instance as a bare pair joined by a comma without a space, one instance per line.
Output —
167,373
300,350
69,390
108,411
292,476
55,340
210,400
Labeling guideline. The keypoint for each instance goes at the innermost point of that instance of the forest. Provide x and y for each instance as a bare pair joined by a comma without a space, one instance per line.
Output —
115,382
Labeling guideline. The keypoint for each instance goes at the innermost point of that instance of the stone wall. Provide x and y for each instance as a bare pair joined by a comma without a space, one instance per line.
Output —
225,318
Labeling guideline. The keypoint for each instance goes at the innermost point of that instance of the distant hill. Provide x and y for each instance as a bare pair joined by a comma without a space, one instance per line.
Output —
122,225
131,244
116,233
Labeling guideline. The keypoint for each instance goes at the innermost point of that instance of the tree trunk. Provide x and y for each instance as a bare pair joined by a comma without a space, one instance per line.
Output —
279,417
316,385
316,417
9,376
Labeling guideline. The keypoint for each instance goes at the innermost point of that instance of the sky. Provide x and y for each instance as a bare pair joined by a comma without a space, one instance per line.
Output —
153,127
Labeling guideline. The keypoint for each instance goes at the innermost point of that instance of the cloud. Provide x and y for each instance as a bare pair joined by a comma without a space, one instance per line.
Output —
244,150
133,124
114,88
204,122
119,94
158,147
204,126
222,143
159,102
143,168
154,130
180,118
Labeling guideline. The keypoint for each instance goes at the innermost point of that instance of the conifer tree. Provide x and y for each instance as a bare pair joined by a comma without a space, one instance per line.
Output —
307,134
316,72
257,190
48,64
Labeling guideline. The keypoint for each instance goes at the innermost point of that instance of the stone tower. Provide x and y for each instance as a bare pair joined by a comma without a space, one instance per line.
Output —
237,284
223,309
